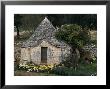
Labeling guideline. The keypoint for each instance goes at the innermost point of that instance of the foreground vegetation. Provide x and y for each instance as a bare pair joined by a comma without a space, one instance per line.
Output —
56,70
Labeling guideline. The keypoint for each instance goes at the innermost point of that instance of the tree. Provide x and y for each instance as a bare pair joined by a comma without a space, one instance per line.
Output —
31,21
75,36
85,20
17,22
90,20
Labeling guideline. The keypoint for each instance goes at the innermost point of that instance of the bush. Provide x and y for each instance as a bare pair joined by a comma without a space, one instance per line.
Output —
81,70
59,70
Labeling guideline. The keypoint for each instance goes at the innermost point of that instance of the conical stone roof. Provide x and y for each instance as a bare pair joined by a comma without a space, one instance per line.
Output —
45,31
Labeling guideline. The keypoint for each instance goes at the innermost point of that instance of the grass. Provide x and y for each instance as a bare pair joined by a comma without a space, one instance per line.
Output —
25,73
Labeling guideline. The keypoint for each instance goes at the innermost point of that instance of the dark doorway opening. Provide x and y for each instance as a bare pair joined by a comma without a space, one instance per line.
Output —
43,55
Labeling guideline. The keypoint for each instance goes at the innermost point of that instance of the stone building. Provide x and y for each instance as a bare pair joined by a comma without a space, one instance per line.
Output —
42,47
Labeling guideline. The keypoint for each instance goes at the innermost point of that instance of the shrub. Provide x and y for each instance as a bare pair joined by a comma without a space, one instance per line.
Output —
81,70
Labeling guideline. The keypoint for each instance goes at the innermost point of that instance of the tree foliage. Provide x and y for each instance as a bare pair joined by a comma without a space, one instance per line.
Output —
17,22
31,21
85,20
76,37
73,35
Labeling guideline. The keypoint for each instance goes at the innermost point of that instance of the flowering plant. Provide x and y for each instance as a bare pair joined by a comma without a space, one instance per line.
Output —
36,68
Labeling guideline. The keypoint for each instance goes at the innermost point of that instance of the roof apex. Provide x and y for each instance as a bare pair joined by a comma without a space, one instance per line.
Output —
46,20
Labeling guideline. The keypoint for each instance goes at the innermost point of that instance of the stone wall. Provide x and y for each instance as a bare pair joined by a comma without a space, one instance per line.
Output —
54,54
25,55
36,55
92,49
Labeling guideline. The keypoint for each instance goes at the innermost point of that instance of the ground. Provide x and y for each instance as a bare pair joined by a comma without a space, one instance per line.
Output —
25,73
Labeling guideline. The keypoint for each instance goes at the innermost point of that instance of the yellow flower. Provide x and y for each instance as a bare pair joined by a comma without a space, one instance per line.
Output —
62,64
34,68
